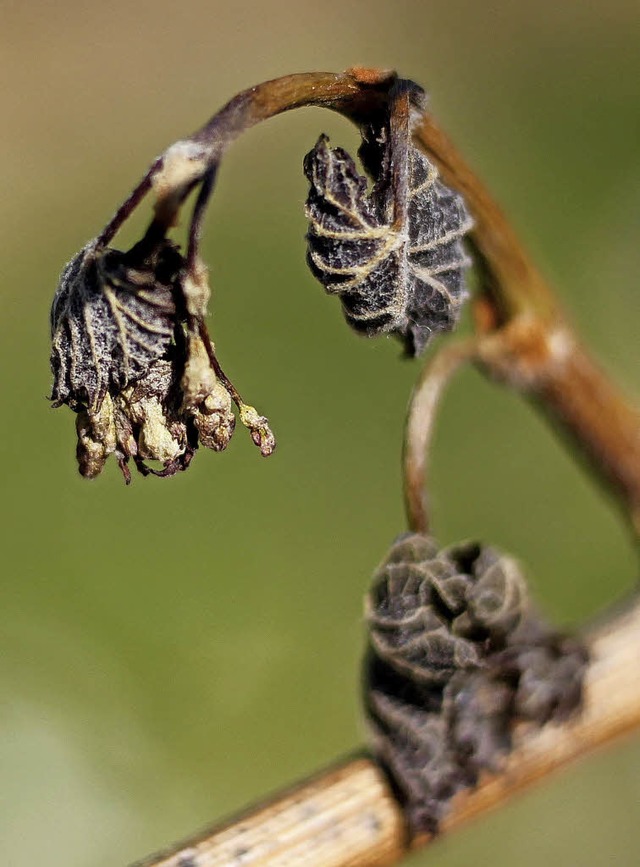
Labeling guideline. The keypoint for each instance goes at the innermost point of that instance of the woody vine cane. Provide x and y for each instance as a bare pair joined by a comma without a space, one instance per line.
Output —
133,357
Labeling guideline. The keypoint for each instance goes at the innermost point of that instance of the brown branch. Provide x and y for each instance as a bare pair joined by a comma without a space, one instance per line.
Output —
419,426
532,347
546,362
344,816
514,283
357,93
348,817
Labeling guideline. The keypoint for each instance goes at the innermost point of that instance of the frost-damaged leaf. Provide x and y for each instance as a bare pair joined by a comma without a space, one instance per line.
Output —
393,254
112,316
137,365
457,655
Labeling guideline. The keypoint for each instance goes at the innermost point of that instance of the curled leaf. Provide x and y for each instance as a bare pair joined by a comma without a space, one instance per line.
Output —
457,655
112,316
394,253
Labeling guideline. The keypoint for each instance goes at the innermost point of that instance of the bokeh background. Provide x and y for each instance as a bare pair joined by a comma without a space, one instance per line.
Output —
174,650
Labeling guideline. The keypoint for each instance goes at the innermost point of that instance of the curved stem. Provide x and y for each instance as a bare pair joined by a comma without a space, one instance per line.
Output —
195,228
215,364
357,93
420,423
129,205
511,280
531,346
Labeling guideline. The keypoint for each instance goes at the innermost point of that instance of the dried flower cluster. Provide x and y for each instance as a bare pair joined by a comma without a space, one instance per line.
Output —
457,655
132,357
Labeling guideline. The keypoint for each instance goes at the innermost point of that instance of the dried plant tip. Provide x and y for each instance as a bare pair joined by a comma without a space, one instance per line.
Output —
215,421
132,355
139,424
96,439
205,398
457,655
196,290
198,377
393,254
258,426
209,394
147,417
163,417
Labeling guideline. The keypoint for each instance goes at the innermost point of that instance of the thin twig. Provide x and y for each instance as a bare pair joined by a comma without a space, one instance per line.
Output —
513,282
348,817
357,93
532,347
215,364
419,427
129,205
197,218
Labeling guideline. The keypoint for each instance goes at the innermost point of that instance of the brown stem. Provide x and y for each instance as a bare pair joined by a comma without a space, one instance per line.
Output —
358,94
129,205
547,363
512,281
347,816
215,364
197,218
531,346
419,427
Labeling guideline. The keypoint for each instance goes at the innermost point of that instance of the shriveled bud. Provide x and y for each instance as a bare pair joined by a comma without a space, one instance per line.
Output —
198,378
138,424
205,399
149,428
214,420
258,426
96,438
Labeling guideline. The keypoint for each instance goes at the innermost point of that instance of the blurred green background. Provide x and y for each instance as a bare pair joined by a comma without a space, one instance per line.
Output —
174,650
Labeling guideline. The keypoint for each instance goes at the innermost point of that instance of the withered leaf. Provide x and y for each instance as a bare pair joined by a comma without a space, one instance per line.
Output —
393,254
112,316
441,701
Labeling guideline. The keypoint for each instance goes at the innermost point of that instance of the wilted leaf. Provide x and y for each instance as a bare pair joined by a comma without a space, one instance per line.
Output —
440,704
393,254
112,316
